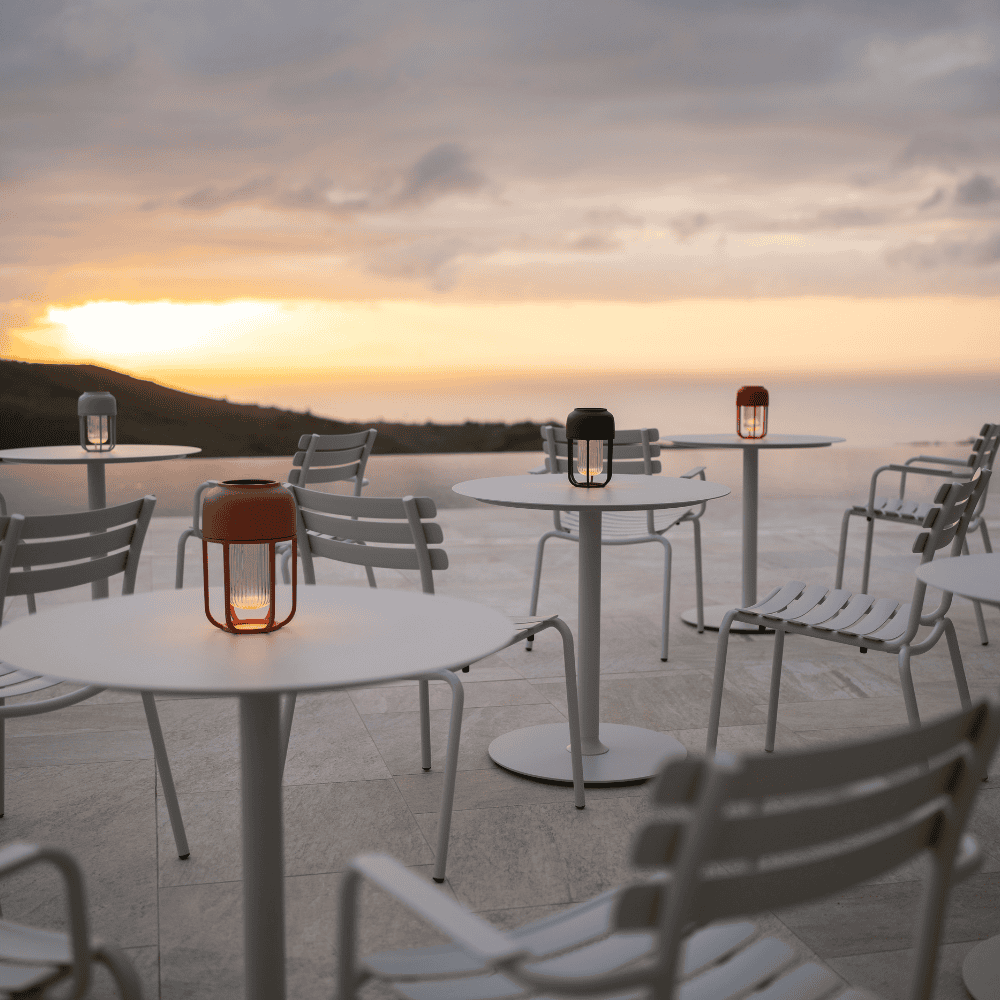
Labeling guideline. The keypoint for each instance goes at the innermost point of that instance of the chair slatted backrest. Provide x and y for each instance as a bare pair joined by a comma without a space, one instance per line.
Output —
789,827
984,451
46,552
949,521
332,458
381,532
636,451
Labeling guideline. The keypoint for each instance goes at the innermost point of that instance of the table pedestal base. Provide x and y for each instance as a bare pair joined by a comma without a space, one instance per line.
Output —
981,970
634,754
714,616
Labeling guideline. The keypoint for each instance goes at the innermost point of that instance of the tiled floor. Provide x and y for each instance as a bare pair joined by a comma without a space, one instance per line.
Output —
84,777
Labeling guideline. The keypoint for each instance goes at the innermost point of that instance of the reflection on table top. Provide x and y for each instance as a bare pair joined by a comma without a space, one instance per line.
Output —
73,454
735,441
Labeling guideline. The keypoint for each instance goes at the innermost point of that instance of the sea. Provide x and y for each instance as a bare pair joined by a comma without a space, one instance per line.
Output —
882,419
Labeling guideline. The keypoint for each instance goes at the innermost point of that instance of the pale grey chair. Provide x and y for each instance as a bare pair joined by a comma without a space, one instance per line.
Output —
320,458
636,453
34,960
883,624
391,533
41,553
726,838
901,510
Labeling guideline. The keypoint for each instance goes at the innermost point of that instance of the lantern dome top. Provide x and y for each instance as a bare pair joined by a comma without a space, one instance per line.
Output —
752,395
96,404
590,423
248,510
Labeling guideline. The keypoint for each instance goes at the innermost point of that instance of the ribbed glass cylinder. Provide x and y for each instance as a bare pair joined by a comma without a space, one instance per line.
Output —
752,421
249,577
98,429
589,458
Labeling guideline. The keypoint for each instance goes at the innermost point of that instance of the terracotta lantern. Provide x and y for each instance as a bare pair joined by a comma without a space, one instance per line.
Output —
751,411
248,517
98,414
592,428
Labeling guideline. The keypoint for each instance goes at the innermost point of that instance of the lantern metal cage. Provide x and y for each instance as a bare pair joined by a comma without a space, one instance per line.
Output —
751,412
98,413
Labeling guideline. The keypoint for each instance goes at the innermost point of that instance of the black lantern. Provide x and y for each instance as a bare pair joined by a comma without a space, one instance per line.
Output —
98,414
592,428
751,411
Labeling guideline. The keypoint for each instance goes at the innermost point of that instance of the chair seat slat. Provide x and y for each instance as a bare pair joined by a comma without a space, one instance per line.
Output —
788,593
894,628
855,609
805,603
834,602
881,611
31,686
753,966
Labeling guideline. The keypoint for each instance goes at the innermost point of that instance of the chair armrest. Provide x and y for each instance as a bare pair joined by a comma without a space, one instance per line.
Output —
196,512
464,927
16,856
541,470
940,459
915,469
699,472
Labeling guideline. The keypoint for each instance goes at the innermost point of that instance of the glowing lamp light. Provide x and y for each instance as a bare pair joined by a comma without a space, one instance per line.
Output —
751,411
248,517
592,429
98,414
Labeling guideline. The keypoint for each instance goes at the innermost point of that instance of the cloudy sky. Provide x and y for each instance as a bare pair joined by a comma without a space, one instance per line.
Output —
458,155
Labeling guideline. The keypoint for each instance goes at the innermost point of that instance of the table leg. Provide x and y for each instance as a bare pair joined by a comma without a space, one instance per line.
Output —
97,499
263,848
588,642
750,493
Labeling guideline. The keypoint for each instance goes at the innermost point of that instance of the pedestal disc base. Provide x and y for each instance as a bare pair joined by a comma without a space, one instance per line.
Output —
981,970
634,754
714,616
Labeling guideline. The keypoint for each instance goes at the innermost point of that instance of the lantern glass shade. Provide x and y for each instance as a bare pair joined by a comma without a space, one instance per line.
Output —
248,518
98,414
751,411
592,430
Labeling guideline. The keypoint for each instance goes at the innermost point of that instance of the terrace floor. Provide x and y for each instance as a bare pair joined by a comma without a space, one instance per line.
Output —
84,777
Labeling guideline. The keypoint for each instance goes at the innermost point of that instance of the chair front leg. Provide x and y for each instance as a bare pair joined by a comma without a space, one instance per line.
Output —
715,710
772,700
537,581
976,606
166,776
181,543
869,539
906,682
986,535
3,761
573,709
665,625
957,666
842,551
699,591
450,771
425,725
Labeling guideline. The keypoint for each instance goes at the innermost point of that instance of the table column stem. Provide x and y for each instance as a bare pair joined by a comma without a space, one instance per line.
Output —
750,493
97,500
589,632
263,848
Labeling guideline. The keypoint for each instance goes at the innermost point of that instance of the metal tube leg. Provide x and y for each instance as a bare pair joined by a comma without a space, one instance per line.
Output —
842,551
3,762
715,709
906,681
573,710
589,631
181,543
287,714
750,493
450,772
536,582
166,777
869,538
263,848
699,591
96,500
956,663
772,701
425,725
665,627
977,607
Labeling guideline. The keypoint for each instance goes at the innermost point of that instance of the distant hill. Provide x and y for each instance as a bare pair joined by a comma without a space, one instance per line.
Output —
38,407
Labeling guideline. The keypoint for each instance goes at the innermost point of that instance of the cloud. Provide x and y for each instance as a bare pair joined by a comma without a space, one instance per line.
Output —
975,252
978,190
686,226
446,169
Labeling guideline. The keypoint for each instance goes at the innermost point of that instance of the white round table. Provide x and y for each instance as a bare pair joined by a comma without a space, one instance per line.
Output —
612,753
73,454
340,637
751,450
978,578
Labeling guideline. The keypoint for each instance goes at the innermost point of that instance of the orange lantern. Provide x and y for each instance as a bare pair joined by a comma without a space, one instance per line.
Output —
248,517
751,411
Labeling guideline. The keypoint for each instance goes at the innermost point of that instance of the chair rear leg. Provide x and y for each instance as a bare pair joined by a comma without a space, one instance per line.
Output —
181,543
869,539
977,607
450,772
665,626
956,663
536,582
842,551
166,777
425,725
772,700
715,711
3,762
699,592
122,971
573,710
906,682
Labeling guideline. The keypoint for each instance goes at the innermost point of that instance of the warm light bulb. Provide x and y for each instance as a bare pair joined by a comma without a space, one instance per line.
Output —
250,578
753,421
589,458
97,430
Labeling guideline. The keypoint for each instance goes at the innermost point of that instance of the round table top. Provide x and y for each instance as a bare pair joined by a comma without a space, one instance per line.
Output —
548,491
735,441
975,577
340,637
73,454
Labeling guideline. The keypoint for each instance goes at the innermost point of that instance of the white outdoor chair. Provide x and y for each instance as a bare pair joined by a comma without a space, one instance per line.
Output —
397,534
912,512
727,838
46,552
321,458
636,453
882,624
33,960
